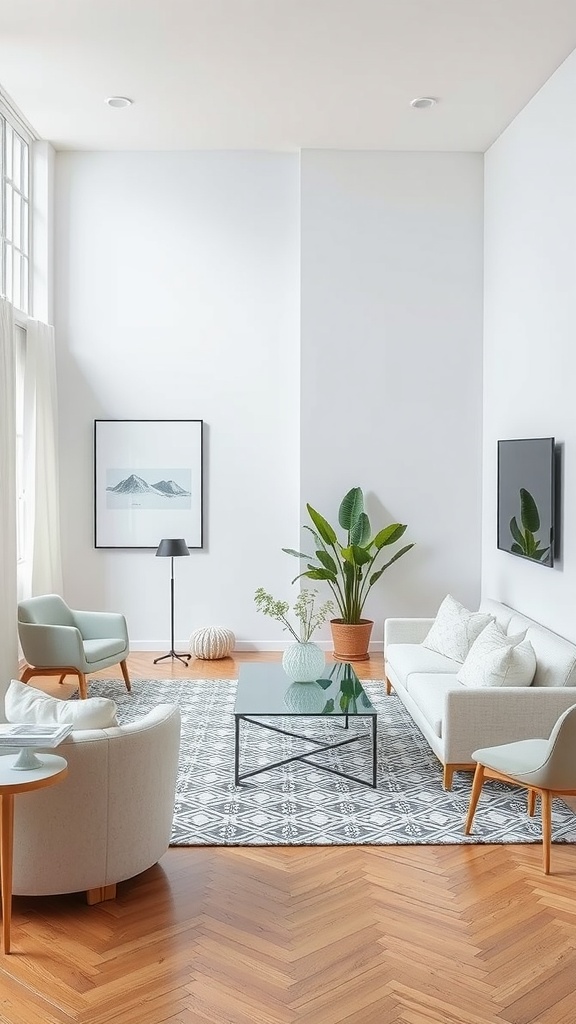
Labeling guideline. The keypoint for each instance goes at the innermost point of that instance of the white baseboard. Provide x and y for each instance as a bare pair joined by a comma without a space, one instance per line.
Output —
241,645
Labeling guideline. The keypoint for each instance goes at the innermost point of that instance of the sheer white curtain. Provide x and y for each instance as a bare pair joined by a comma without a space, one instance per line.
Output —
44,558
8,548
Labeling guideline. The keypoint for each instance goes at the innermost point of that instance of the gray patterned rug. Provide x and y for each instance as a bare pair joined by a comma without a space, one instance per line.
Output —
301,805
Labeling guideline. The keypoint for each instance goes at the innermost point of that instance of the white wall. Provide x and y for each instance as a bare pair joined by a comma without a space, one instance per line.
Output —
179,281
392,360
177,297
530,332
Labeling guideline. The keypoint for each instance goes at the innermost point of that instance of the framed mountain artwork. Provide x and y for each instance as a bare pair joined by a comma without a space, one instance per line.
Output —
147,482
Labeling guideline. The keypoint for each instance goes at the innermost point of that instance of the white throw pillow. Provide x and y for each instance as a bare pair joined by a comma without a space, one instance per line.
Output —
25,704
455,629
496,659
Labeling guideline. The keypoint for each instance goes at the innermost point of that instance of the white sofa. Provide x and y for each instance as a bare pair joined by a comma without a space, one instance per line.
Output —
456,719
110,819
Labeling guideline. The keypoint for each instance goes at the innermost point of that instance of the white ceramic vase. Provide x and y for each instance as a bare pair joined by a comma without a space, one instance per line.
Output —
303,662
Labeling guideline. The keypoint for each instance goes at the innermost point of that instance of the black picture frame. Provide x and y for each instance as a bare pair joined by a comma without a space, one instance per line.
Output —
148,482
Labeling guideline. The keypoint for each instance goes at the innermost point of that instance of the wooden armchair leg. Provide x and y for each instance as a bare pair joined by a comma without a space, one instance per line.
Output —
546,798
83,685
474,796
124,668
531,802
101,893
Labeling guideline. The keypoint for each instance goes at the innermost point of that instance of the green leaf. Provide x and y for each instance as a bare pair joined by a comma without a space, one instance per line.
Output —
515,531
529,543
322,525
326,560
517,549
360,555
389,535
360,530
529,511
351,508
329,707
376,575
297,554
317,574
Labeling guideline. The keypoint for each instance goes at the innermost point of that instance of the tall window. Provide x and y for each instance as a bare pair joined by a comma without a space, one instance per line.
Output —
15,215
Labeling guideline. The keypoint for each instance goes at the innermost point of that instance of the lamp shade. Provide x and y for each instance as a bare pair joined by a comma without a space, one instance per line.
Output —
171,548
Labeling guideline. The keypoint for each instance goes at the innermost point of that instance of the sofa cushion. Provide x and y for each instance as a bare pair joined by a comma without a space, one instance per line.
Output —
23,703
502,613
407,658
428,692
455,629
496,659
555,656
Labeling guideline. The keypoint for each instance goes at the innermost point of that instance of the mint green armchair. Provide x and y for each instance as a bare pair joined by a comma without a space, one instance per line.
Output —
56,640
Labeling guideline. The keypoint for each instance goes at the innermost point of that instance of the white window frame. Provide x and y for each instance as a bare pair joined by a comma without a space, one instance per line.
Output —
9,188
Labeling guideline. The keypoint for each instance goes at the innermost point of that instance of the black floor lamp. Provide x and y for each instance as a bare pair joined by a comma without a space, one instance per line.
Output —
172,549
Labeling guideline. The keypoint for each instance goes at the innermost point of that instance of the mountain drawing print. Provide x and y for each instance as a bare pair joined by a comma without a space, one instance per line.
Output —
126,489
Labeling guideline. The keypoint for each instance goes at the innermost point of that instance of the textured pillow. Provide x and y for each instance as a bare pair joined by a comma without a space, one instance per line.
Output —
496,659
25,704
455,629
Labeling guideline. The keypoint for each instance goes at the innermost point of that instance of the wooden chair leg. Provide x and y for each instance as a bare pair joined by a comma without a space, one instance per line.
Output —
546,798
474,796
101,893
83,685
531,802
124,668
62,677
27,674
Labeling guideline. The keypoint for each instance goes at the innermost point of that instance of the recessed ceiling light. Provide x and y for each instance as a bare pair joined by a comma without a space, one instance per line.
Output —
422,102
118,101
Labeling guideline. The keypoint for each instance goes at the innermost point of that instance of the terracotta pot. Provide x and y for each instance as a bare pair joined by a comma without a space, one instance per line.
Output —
351,642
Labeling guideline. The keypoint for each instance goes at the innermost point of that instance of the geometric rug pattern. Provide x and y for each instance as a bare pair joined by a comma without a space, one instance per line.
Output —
298,804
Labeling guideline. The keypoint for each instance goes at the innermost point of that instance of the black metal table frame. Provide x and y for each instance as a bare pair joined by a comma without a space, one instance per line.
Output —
306,758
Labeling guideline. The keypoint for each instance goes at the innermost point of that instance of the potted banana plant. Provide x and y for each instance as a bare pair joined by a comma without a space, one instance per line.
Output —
348,567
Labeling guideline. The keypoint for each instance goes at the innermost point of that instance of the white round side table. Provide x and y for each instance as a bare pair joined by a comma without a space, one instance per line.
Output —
53,769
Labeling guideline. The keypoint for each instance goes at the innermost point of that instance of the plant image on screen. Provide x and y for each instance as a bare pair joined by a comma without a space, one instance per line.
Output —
525,540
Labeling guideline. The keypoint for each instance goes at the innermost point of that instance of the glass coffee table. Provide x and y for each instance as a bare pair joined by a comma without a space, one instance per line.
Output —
265,692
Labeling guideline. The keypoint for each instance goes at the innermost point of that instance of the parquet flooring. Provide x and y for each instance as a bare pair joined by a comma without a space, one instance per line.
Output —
339,935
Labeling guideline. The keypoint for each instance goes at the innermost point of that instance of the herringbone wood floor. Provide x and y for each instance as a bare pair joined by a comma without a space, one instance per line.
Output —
446,935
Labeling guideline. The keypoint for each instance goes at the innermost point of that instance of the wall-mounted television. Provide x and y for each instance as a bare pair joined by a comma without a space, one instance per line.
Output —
526,489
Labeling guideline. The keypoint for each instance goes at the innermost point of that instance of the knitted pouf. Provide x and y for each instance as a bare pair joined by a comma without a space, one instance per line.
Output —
212,642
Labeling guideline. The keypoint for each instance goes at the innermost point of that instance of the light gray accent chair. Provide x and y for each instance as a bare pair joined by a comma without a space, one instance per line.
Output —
57,640
546,768
110,819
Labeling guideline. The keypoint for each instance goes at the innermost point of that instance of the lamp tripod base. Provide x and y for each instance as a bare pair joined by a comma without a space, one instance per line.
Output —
184,658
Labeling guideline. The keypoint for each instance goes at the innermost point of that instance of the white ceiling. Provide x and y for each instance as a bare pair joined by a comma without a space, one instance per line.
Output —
279,74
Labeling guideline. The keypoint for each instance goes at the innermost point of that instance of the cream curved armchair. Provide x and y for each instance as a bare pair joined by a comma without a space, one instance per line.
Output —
546,768
110,819
56,640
